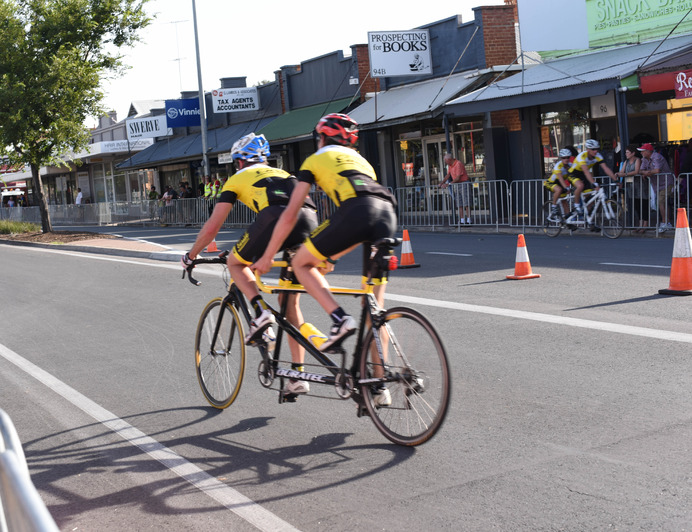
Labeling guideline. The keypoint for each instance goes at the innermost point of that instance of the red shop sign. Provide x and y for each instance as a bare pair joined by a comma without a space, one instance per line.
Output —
683,84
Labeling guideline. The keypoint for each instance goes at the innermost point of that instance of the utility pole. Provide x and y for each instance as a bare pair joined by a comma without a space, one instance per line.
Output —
202,108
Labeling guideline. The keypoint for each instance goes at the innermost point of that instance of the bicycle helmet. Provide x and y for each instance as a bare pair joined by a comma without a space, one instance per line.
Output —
592,144
341,128
252,148
565,152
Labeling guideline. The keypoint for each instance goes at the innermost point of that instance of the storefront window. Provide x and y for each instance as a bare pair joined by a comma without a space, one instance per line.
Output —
470,149
411,163
560,129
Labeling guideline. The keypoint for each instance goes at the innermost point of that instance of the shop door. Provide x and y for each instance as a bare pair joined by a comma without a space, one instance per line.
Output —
435,171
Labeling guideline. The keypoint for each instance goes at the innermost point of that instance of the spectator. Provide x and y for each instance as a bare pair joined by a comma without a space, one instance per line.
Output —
456,173
78,200
656,168
640,189
153,195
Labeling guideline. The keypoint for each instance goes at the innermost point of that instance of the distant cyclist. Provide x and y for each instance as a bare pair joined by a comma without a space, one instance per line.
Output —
557,182
581,173
365,213
266,191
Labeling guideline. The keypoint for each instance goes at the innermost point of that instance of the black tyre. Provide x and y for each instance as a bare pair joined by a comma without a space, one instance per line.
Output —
220,367
611,219
550,228
418,378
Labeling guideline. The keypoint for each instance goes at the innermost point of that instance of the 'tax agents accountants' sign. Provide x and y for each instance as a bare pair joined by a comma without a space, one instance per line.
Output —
235,100
183,113
149,127
399,53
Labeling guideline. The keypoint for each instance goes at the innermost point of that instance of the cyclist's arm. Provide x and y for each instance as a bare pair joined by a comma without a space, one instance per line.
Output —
589,176
608,171
283,227
210,228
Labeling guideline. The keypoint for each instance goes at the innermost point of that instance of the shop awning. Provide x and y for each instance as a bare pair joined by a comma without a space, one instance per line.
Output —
414,101
298,124
569,78
188,147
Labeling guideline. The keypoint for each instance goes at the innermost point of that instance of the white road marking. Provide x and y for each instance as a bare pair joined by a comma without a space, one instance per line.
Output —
453,254
238,503
520,314
548,318
634,265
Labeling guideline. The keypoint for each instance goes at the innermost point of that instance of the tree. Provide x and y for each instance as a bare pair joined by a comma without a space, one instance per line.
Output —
53,56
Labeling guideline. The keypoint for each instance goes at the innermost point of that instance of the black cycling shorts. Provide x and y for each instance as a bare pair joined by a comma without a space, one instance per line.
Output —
253,243
361,219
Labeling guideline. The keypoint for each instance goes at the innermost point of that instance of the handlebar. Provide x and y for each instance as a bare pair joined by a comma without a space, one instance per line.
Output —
221,259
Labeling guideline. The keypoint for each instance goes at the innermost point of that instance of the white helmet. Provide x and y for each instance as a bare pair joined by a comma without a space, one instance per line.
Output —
592,144
565,152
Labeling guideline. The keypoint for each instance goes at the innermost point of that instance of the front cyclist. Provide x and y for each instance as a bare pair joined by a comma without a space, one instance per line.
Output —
266,191
365,214
557,183
581,173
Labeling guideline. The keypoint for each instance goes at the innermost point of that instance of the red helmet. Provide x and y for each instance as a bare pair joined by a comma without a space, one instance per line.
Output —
341,128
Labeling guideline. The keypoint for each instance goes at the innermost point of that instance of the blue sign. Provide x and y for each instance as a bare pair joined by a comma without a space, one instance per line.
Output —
183,113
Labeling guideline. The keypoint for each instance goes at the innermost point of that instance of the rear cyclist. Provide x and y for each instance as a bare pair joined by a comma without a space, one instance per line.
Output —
581,173
266,191
366,213
557,183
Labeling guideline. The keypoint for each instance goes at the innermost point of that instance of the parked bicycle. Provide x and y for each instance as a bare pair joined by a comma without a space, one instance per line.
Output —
601,214
398,348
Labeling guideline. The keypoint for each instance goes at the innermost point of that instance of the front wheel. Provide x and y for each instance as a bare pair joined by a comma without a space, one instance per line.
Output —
551,227
611,218
415,375
220,353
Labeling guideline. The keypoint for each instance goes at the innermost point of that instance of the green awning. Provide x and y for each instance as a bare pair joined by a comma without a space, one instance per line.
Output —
300,123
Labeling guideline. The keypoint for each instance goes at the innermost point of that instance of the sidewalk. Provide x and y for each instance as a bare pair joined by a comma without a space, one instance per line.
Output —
123,246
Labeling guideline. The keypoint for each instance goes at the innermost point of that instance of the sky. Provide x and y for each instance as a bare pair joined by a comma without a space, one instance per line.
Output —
254,39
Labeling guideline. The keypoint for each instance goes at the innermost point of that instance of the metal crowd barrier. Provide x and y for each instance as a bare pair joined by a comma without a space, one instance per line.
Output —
435,207
518,204
21,507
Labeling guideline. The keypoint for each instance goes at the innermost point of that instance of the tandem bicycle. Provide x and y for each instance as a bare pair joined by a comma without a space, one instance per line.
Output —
601,214
397,348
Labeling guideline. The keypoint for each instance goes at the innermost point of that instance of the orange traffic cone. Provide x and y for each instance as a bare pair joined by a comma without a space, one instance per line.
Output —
522,268
681,268
211,248
407,253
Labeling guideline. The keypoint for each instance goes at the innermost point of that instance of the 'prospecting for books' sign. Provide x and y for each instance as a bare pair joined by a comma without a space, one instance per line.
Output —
399,53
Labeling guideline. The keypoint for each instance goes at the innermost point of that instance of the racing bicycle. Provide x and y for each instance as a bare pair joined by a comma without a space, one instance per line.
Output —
397,348
601,214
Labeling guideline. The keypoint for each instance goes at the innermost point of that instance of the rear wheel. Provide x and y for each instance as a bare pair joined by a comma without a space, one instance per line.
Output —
550,227
416,375
220,358
611,219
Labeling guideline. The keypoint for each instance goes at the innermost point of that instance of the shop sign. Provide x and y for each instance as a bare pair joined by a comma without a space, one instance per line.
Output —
235,100
225,158
399,53
603,106
618,21
183,112
149,127
683,84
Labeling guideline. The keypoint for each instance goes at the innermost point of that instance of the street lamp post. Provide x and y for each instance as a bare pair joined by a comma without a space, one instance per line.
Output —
202,107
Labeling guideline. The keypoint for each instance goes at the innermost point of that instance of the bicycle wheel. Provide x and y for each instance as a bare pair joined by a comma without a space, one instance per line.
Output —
611,219
419,382
220,367
550,227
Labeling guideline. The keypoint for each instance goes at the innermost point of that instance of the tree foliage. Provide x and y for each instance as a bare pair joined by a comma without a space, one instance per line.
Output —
54,55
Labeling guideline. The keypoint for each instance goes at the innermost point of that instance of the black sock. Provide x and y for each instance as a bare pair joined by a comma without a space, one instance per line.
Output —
258,304
338,315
